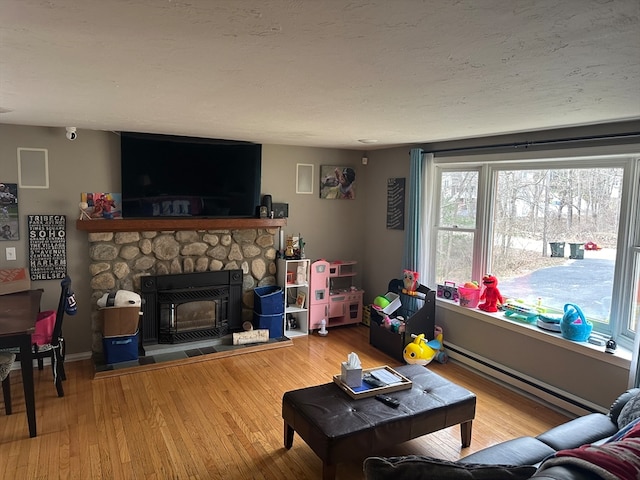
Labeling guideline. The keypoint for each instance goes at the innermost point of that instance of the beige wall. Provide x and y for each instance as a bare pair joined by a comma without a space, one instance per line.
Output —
333,229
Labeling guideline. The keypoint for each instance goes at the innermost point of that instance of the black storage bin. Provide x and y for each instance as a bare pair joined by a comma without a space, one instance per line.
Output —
419,313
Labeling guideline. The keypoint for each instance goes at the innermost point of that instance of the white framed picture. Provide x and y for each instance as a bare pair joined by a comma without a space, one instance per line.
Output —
304,178
33,167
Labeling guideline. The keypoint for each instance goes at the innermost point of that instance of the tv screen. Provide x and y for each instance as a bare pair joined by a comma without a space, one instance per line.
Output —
168,176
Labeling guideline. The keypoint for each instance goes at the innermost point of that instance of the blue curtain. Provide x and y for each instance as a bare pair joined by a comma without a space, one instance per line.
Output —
413,217
413,242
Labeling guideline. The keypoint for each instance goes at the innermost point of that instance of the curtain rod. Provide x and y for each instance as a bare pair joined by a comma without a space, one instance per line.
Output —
533,143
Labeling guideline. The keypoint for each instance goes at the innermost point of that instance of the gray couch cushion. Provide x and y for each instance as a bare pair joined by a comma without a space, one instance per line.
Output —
415,467
579,431
519,451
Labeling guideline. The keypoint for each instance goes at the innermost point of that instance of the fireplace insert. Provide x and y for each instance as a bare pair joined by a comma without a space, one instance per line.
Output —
191,306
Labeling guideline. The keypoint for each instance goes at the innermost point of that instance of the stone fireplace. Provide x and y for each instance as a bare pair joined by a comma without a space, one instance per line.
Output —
125,253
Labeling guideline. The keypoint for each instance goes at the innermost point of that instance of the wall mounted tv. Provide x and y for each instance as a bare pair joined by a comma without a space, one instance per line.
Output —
169,176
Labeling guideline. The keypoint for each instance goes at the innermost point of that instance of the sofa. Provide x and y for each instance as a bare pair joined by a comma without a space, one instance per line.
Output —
590,447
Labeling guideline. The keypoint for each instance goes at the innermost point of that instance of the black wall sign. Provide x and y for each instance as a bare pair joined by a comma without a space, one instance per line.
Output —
395,203
47,246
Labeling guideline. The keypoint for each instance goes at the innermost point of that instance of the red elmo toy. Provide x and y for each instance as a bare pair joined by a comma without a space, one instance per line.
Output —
490,296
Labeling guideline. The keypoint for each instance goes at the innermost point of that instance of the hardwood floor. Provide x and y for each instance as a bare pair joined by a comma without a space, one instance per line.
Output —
221,419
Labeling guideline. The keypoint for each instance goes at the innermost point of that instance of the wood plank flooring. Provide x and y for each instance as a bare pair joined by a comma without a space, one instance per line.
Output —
221,418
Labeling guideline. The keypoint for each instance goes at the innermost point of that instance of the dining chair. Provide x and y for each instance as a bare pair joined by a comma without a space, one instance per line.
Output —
51,347
6,362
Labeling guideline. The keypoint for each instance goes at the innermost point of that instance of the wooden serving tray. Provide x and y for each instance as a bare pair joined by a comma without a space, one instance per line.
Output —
366,391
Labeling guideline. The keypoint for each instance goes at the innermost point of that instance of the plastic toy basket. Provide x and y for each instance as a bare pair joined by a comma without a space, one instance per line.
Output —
469,297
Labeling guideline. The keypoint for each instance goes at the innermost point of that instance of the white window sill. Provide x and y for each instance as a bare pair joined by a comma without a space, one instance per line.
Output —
621,357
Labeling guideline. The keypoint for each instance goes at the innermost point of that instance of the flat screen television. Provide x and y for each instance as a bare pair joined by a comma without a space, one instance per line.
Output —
170,176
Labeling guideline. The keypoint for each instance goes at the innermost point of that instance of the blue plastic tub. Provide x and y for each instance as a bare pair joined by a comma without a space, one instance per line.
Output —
268,300
272,322
122,348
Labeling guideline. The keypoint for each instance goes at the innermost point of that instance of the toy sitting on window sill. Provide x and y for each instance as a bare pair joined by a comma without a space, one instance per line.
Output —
490,298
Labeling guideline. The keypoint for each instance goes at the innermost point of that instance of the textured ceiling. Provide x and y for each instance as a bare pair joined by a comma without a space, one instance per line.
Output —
320,72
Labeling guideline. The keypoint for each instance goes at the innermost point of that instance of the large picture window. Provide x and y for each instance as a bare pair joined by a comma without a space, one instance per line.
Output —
552,231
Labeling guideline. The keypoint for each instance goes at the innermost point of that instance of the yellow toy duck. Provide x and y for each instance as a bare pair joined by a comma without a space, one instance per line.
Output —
420,351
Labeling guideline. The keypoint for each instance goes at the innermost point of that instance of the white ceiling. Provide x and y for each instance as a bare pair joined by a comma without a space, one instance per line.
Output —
319,72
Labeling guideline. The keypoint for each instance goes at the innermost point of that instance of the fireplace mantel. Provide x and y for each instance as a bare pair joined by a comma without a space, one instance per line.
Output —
172,224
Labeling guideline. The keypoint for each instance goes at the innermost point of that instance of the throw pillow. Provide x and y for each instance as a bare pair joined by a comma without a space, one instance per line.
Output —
416,467
629,412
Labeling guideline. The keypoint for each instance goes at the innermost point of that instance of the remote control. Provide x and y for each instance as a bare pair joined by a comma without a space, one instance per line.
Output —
387,400
373,381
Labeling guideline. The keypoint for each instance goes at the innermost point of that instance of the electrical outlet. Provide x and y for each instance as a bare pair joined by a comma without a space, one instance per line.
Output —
11,253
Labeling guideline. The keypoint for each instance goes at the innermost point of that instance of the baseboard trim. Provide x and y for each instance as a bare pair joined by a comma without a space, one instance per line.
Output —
530,387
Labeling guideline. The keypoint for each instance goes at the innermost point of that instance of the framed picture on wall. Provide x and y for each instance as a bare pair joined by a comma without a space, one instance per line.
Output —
337,182
9,212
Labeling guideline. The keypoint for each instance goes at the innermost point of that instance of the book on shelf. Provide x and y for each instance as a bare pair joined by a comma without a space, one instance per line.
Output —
300,298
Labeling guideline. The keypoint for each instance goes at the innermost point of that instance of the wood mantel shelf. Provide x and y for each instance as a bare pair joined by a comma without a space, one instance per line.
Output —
171,224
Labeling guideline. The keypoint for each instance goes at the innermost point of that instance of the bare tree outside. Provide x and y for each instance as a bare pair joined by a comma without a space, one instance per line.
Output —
541,218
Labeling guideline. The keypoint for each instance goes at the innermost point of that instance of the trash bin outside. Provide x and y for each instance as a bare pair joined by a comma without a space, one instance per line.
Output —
577,251
557,249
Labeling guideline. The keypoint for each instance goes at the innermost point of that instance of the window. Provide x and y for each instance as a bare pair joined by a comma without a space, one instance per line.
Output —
456,233
553,231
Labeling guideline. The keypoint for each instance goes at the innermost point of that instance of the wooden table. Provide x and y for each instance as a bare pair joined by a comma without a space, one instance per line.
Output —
18,314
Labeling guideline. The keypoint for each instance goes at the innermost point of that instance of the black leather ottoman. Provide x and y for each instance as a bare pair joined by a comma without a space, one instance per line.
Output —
338,428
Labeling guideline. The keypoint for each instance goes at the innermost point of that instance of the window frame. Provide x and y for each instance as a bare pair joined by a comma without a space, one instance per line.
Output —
488,165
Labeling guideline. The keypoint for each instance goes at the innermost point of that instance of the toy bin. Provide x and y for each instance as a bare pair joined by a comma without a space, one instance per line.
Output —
419,314
274,323
469,297
394,303
268,300
117,321
122,348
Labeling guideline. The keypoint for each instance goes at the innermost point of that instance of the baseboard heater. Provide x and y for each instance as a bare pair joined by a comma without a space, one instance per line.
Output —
524,384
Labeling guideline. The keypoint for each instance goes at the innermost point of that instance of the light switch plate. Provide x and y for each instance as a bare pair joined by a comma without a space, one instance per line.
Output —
11,253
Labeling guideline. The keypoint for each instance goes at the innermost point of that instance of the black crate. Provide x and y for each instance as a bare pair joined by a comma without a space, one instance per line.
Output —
419,313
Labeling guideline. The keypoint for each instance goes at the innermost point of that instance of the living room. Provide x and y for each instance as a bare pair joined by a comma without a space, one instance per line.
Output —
353,229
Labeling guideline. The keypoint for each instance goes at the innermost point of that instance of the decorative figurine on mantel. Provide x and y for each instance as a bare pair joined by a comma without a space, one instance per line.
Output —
289,254
84,214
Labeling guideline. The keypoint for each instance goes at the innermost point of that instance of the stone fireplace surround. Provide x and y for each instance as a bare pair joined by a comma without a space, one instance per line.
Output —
123,251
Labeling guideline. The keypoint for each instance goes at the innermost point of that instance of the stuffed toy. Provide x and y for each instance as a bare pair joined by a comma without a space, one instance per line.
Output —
410,282
490,298
421,352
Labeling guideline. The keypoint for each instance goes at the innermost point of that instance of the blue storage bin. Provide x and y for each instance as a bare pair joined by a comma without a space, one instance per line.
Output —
273,322
268,300
123,348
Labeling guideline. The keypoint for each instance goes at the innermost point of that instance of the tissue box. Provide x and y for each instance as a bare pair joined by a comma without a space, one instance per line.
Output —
351,377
